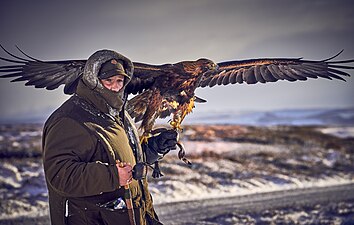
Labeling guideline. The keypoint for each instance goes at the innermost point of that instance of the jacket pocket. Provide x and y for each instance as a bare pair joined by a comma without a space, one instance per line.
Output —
119,216
75,214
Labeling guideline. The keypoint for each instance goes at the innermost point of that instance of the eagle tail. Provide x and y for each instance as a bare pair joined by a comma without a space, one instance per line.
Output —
199,99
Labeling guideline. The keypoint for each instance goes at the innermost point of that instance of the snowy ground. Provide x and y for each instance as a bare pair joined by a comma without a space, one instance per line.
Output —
212,178
227,161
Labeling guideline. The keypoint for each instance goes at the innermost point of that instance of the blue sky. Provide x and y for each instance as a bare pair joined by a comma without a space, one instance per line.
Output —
159,32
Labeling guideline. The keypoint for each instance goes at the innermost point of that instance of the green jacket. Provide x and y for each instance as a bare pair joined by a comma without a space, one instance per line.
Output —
80,147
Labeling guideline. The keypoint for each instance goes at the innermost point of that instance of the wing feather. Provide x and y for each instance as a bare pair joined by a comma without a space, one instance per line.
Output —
265,70
60,80
266,74
276,72
258,74
226,78
289,75
233,77
239,76
43,74
214,81
221,78
249,76
335,76
305,71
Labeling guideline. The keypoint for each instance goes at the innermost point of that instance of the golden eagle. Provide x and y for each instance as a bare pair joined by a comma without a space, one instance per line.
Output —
162,90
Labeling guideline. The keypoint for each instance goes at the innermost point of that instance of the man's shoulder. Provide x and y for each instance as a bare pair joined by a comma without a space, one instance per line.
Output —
65,108
64,111
81,111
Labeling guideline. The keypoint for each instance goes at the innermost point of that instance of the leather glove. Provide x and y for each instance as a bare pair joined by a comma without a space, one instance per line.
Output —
139,171
164,142
160,145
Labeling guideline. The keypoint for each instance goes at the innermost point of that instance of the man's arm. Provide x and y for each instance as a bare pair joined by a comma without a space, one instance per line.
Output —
67,150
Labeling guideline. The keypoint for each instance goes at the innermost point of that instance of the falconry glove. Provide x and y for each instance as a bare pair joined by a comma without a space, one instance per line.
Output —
158,146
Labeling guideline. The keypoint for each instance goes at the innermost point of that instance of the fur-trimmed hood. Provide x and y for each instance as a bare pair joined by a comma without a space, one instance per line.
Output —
106,100
94,63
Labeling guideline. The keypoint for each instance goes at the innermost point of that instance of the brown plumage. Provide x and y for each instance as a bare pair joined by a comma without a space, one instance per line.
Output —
169,89
162,90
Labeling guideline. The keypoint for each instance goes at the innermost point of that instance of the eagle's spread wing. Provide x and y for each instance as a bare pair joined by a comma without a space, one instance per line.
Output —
271,70
175,83
51,74
43,74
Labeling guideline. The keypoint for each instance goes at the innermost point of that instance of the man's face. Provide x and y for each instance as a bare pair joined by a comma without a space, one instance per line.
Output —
114,83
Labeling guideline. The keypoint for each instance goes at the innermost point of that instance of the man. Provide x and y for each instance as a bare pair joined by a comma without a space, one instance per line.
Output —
90,148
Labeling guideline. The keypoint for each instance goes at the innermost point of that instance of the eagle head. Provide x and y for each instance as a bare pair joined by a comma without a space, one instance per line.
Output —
207,65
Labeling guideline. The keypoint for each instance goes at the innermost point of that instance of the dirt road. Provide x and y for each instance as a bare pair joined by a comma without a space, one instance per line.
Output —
195,212
192,212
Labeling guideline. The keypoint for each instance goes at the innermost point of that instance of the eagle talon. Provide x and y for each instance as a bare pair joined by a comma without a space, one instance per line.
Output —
182,153
176,125
144,138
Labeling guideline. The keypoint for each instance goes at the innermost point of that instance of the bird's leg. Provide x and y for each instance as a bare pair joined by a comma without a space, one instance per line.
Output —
182,153
181,113
147,126
176,122
144,138
176,125
178,117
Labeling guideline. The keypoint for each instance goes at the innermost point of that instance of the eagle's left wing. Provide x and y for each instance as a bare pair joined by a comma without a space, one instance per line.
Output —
270,70
43,74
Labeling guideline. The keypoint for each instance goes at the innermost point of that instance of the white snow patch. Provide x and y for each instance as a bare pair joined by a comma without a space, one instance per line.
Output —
219,147
176,191
342,132
10,175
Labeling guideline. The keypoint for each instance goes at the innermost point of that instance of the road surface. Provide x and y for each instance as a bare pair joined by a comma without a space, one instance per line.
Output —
190,212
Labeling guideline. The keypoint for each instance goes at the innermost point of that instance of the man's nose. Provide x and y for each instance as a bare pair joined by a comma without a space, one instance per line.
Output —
115,86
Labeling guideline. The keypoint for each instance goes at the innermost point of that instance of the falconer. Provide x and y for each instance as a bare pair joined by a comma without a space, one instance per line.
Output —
91,147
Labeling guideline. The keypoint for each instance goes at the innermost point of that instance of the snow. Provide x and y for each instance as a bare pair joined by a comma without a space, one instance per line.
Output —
10,176
220,169
177,191
224,175
341,132
220,147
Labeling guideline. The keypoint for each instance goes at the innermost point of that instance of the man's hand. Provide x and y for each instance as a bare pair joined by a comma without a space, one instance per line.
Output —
125,174
160,145
164,142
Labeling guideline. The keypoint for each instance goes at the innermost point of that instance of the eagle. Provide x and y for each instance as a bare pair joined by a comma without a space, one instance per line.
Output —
169,89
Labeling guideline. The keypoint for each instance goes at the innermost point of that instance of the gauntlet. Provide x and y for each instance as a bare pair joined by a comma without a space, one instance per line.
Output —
160,145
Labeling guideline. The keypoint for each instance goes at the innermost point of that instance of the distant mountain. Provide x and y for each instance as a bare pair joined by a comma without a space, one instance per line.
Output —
298,117
334,117
32,120
37,117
